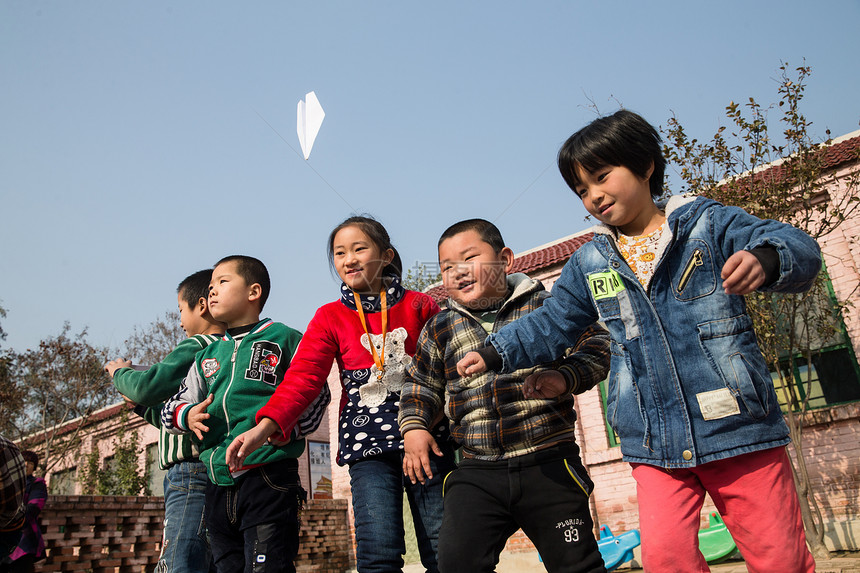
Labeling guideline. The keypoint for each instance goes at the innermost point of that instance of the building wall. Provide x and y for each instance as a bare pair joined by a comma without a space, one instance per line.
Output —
841,252
101,436
831,451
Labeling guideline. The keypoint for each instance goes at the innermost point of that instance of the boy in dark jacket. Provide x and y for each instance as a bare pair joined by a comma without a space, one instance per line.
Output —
522,467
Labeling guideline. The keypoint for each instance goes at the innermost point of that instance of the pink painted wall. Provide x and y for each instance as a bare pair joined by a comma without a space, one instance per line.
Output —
841,252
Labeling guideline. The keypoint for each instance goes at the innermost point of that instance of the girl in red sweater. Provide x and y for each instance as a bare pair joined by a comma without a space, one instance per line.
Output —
370,331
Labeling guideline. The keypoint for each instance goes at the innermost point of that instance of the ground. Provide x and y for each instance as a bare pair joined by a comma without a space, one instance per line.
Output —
840,562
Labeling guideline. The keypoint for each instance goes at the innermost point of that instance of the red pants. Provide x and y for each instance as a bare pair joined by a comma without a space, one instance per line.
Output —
756,497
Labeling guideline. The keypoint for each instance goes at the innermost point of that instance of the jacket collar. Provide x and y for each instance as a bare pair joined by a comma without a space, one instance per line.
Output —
262,325
676,207
372,302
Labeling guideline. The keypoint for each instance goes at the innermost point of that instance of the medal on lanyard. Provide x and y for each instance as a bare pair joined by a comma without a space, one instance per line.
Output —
374,392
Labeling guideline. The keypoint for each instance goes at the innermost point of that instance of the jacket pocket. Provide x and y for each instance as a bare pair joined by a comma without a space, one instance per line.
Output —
624,408
692,271
734,355
618,312
608,309
747,386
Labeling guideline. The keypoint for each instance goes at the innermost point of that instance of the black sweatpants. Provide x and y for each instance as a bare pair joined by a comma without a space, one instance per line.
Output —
544,493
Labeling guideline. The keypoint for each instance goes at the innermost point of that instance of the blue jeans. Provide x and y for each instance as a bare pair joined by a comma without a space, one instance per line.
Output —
377,500
185,548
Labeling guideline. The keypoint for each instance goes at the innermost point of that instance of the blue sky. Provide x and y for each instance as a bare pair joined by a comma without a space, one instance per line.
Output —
142,141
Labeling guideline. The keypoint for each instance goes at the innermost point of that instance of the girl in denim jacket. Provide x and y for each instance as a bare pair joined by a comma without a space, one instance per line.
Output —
689,392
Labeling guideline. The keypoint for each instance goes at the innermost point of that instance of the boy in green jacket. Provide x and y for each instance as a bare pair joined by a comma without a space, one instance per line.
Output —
252,514
184,547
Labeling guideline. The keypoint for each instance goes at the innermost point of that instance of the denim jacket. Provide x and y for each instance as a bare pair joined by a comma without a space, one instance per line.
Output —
688,383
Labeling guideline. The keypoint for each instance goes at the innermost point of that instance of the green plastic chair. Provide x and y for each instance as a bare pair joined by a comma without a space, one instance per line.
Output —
715,541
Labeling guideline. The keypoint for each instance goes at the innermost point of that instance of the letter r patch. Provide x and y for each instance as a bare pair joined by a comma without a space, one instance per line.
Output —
605,285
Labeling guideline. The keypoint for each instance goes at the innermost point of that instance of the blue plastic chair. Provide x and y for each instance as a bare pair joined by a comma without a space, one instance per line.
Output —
617,549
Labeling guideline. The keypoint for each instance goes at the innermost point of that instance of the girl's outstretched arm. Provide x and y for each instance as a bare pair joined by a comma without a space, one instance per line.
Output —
798,256
305,377
248,442
544,334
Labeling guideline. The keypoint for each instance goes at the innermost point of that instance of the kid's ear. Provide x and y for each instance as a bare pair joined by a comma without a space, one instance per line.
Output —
255,292
388,256
508,256
202,307
650,171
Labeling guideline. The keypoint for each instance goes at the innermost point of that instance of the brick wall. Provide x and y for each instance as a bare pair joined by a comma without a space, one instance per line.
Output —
325,545
108,534
831,446
102,534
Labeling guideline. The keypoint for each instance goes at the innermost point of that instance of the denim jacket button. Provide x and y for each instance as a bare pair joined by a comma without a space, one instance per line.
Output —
687,455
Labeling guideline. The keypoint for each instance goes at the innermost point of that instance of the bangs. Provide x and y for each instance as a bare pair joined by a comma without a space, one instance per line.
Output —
622,139
589,153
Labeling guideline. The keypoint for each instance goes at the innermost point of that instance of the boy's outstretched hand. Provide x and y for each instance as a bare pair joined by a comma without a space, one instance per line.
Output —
197,414
248,442
115,365
742,273
470,364
546,384
417,444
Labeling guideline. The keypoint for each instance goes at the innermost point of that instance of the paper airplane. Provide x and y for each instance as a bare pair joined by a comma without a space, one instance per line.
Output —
309,118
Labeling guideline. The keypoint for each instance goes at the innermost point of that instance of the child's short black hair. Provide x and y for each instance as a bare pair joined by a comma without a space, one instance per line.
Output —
377,234
488,232
623,138
31,456
194,287
252,271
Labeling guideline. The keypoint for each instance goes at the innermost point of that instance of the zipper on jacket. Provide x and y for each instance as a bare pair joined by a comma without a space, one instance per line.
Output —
236,344
235,350
695,261
662,258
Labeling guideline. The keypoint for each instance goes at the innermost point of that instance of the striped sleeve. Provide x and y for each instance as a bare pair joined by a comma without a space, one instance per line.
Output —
175,411
312,417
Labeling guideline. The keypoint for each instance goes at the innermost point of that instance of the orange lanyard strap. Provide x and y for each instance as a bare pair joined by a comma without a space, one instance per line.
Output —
378,359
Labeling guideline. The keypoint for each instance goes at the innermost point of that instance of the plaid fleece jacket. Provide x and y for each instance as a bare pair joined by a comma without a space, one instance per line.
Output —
490,417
